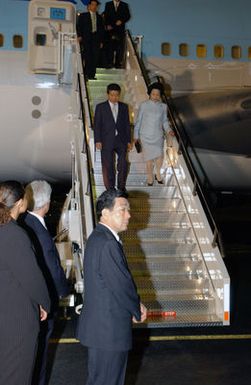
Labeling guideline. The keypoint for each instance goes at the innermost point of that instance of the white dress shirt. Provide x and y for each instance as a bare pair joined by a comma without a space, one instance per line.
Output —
41,219
94,21
112,231
116,4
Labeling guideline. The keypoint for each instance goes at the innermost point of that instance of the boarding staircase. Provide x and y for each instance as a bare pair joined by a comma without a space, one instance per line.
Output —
179,275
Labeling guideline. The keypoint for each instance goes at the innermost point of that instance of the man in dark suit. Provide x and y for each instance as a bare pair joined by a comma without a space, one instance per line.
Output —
112,134
116,15
111,302
90,30
38,195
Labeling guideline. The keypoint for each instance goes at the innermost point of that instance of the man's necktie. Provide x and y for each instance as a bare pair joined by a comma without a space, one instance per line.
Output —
115,114
115,111
94,22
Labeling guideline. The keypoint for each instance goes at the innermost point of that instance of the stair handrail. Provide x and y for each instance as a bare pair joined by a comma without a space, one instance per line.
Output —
190,221
86,147
140,62
197,183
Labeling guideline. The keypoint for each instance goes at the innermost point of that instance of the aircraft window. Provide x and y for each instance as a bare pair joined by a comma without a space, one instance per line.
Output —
36,100
183,49
40,39
236,52
36,114
201,50
246,104
166,49
218,51
18,41
1,40
249,52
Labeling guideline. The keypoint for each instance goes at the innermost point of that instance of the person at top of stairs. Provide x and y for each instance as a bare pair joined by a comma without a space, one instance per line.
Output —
90,30
116,15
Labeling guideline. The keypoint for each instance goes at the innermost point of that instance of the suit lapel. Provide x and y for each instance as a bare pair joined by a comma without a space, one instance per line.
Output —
109,110
123,254
119,111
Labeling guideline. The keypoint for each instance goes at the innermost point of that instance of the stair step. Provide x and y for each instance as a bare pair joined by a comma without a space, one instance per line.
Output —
140,224
159,234
175,219
152,249
157,205
181,320
182,305
163,283
161,297
162,265
110,71
136,162
167,258
144,192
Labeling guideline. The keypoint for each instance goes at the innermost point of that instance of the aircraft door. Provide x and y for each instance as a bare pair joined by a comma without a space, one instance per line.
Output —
47,21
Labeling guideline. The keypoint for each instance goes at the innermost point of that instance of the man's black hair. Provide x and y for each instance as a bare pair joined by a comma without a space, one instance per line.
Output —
113,87
107,200
96,1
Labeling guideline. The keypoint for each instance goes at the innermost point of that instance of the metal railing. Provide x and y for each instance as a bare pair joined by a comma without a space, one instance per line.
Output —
138,58
189,219
185,143
86,127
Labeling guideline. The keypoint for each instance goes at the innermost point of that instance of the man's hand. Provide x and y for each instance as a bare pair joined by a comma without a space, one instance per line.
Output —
129,146
119,22
99,146
43,314
143,311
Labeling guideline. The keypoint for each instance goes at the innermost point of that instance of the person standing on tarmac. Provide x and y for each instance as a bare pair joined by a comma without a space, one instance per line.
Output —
111,302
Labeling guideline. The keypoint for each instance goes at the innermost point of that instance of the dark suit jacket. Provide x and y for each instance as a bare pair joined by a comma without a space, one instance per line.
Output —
47,257
84,27
22,286
110,296
111,16
105,126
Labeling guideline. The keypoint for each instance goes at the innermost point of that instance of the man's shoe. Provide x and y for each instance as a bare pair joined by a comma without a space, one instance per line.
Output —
125,192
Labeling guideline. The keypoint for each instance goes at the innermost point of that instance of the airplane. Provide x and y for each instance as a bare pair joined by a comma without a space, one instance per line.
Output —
174,44
37,83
